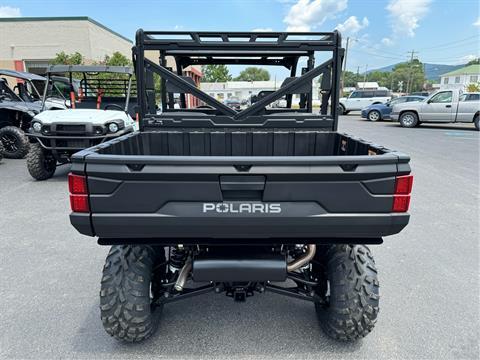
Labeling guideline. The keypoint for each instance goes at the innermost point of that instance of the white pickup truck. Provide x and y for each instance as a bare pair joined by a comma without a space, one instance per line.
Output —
444,106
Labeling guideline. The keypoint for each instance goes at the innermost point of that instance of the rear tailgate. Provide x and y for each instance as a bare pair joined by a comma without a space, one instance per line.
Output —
200,197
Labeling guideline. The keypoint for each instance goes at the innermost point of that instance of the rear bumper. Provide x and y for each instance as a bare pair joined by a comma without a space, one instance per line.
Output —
129,228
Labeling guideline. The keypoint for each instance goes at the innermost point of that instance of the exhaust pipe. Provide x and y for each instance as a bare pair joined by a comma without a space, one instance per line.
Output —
246,269
182,276
304,260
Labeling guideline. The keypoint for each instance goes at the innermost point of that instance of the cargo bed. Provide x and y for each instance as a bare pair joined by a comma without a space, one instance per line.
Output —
240,143
160,186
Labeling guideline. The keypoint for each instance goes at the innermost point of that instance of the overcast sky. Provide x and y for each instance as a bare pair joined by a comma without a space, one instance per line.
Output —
382,31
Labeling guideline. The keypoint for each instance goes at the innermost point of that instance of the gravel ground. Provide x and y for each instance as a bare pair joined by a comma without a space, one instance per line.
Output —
429,274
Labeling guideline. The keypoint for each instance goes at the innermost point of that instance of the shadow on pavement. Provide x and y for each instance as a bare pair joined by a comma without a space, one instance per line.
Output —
214,326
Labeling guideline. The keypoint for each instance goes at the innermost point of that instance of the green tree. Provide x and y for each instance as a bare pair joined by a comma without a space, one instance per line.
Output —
351,79
253,74
383,78
474,62
411,74
473,87
117,59
215,73
62,58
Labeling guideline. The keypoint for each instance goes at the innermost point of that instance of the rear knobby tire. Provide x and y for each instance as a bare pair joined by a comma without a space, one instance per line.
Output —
41,164
15,143
126,303
351,309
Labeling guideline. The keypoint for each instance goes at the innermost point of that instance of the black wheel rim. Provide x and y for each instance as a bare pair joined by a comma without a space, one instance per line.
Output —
10,143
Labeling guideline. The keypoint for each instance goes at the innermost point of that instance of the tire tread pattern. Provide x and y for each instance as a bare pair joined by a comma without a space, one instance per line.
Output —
125,303
23,145
35,163
354,293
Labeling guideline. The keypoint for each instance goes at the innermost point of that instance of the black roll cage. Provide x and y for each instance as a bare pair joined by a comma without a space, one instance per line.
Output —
55,70
244,48
27,77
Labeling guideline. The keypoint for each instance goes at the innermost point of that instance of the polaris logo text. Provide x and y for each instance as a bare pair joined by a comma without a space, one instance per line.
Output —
242,208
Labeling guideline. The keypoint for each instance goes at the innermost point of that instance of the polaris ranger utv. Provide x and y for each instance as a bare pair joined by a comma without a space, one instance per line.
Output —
98,110
213,199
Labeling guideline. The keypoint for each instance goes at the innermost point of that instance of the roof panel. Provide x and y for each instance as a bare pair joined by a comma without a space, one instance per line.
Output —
59,69
467,70
21,75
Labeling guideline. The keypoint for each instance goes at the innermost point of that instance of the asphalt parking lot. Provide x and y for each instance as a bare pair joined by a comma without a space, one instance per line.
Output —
429,274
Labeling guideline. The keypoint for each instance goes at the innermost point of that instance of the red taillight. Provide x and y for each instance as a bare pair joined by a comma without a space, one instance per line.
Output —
400,203
77,185
401,198
79,203
403,184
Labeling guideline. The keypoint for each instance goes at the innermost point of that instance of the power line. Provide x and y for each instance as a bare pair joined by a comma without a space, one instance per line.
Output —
451,42
452,46
443,59
367,45
378,55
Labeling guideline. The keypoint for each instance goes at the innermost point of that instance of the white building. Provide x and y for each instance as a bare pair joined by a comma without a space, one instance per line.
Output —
369,85
243,90
237,89
461,78
29,43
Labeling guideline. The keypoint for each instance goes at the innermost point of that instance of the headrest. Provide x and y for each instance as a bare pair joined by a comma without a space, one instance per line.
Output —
172,88
303,88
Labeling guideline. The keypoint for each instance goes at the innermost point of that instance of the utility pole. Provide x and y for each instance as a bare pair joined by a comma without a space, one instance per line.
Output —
365,76
410,70
358,71
345,64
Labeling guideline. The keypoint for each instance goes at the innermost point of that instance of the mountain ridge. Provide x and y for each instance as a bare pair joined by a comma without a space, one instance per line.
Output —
432,71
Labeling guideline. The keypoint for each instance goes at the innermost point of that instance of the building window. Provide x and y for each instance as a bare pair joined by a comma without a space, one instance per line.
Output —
457,79
36,66
474,78
445,80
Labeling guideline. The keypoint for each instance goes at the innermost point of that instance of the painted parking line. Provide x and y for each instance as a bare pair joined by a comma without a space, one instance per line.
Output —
461,134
